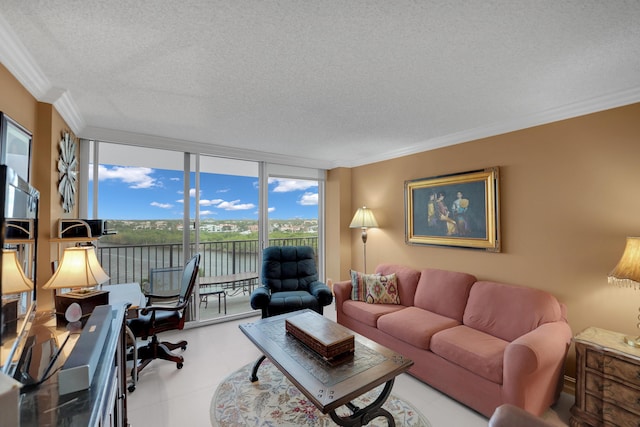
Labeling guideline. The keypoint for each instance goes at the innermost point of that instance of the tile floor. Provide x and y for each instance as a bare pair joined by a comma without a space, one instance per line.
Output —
166,396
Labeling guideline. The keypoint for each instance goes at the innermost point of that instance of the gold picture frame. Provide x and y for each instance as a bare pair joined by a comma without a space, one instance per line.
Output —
457,210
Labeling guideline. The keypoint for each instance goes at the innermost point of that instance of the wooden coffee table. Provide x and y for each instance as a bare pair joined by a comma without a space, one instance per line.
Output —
329,387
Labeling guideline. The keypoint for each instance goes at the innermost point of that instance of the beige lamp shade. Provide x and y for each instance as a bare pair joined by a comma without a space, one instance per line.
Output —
627,271
79,268
13,279
363,218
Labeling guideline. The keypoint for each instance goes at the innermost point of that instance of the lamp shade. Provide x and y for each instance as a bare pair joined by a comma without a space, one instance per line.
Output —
363,219
79,268
627,271
13,279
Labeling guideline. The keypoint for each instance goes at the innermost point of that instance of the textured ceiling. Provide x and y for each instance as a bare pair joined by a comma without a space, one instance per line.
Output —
324,83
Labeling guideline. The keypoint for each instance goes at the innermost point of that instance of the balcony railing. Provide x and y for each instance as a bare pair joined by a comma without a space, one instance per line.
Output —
132,263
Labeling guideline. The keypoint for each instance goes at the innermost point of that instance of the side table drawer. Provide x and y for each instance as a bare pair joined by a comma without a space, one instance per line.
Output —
612,391
627,372
611,414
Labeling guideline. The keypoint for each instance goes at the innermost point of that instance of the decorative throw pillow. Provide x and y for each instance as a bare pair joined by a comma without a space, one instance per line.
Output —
382,289
358,285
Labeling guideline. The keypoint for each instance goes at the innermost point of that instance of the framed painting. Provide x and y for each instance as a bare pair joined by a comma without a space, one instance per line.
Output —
457,210
15,146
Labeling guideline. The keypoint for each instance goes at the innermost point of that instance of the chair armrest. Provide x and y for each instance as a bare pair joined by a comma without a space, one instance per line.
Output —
322,293
153,308
260,298
509,416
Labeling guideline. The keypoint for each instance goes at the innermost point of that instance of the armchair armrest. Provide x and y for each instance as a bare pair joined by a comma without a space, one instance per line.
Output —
260,298
322,293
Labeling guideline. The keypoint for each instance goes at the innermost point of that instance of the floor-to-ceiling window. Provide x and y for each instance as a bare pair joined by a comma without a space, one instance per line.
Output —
226,209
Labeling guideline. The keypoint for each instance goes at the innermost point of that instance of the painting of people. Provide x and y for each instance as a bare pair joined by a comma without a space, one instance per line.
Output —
454,210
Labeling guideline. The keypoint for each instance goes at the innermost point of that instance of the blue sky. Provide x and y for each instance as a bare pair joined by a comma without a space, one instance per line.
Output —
147,193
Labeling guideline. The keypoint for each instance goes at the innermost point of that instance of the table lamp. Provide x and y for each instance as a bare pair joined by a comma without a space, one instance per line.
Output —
13,282
79,270
364,219
627,273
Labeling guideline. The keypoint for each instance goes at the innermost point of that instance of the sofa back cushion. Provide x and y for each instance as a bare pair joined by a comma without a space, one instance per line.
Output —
443,292
406,277
508,311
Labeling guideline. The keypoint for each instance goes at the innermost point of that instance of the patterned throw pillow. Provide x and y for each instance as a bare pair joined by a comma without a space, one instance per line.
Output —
358,285
382,289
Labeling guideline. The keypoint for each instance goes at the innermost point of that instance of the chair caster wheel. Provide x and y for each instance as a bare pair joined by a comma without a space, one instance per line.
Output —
179,365
184,347
131,388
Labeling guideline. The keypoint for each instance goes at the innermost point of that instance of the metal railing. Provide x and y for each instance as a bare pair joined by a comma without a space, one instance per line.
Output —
132,263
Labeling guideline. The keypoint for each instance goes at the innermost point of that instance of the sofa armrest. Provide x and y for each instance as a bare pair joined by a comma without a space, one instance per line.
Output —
342,292
534,366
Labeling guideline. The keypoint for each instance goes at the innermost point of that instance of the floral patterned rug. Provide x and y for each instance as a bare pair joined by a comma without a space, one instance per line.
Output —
274,401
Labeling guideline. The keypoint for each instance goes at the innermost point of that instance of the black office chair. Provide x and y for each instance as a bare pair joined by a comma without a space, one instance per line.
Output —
289,282
154,319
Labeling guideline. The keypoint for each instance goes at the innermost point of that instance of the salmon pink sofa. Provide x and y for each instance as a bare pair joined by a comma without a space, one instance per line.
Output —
482,343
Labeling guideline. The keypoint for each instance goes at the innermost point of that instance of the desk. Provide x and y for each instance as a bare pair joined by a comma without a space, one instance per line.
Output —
103,404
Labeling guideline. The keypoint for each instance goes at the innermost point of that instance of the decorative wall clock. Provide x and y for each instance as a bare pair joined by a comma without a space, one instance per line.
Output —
67,173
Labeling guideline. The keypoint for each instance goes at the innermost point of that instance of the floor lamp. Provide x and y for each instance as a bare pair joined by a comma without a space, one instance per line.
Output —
364,219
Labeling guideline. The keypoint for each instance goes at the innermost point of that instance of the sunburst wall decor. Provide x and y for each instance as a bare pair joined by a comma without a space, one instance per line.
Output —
67,172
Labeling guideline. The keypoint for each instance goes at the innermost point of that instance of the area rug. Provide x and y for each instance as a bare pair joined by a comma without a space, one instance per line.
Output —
274,401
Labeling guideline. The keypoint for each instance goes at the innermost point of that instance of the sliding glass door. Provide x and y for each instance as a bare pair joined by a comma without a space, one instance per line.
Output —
228,229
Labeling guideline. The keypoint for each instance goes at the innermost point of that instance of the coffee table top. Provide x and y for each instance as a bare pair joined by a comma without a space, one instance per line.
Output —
328,387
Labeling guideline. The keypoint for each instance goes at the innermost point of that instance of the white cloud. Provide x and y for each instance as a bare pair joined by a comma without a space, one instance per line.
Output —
235,206
271,210
205,202
135,177
308,199
288,185
161,205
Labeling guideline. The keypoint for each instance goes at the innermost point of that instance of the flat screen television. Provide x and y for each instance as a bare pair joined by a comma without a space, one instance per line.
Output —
18,232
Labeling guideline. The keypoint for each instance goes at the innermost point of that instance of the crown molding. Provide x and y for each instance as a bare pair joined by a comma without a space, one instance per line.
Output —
16,58
589,106
152,141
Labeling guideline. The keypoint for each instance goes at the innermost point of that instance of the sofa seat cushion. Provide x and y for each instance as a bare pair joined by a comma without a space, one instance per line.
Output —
368,313
473,350
414,325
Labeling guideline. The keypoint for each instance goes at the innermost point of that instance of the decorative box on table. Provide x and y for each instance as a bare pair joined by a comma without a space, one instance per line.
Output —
87,300
328,339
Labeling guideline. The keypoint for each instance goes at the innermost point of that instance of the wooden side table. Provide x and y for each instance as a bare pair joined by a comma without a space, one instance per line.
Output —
607,380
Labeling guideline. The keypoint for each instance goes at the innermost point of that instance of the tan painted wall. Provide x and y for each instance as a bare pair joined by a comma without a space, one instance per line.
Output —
569,197
47,127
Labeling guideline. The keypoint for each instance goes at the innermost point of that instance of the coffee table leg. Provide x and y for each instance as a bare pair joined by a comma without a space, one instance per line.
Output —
254,372
362,417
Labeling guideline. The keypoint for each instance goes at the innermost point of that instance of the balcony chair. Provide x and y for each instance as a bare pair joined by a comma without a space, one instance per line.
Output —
154,319
289,282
